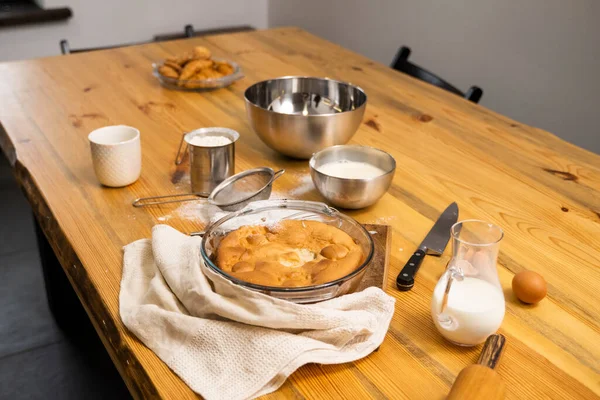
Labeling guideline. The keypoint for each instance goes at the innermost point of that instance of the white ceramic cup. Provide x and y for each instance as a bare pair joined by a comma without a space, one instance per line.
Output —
116,155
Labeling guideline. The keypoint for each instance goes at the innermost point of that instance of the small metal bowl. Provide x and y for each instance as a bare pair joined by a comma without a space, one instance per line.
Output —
347,192
298,116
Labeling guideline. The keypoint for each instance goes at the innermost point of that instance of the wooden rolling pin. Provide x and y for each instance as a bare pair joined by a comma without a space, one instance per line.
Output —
480,381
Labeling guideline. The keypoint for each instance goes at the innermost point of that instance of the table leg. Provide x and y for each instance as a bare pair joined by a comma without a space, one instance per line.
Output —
63,302
70,316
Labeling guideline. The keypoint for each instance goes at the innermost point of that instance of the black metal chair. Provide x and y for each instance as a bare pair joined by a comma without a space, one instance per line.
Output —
66,49
402,64
188,32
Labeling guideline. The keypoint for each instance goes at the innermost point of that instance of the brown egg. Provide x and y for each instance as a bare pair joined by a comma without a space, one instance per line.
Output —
529,287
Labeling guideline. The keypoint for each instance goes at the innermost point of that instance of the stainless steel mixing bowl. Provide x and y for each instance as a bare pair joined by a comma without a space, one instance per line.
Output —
298,116
347,192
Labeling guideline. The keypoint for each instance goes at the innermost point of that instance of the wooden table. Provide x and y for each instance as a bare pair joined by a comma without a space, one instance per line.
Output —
544,192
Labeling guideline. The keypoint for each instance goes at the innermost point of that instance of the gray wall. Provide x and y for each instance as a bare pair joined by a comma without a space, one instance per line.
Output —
538,61
109,22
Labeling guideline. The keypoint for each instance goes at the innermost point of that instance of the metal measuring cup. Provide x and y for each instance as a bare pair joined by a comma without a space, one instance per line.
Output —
209,165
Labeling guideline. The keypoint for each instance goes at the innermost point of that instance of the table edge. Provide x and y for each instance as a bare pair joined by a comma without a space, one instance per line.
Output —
131,370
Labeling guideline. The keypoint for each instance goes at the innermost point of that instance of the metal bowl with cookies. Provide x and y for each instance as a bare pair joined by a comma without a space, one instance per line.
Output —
196,71
301,251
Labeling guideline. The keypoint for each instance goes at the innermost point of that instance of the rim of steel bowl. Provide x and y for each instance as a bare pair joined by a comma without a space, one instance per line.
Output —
246,92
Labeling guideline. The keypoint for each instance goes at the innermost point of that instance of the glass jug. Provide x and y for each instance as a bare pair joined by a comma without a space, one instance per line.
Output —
468,302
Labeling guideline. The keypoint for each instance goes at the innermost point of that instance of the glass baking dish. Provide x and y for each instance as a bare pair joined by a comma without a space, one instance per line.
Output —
271,211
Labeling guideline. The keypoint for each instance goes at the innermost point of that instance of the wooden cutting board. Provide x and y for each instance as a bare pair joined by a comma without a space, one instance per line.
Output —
376,274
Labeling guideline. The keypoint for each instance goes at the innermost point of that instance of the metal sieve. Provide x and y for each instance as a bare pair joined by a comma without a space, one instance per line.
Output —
236,192
233,194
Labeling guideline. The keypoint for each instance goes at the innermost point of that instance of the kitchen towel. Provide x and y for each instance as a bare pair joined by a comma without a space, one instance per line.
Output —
225,341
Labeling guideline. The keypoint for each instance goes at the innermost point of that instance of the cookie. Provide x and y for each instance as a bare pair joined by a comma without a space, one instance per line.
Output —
180,59
173,65
201,53
211,73
224,68
194,66
168,71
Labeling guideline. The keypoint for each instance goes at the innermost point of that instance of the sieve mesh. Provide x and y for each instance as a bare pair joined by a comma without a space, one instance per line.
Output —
243,187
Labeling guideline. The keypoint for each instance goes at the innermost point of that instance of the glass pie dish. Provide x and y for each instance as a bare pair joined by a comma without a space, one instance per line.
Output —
197,85
269,212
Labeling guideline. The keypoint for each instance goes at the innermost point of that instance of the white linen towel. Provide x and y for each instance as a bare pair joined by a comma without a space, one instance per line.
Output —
227,342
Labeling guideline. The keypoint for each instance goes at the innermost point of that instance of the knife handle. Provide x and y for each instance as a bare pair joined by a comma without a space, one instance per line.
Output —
406,278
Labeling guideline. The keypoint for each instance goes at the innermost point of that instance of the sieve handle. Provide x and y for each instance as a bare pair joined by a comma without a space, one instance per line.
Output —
154,200
277,174
178,160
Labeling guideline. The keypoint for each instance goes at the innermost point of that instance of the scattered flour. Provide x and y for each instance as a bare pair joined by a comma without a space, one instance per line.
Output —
199,211
277,195
184,183
304,185
382,220
204,213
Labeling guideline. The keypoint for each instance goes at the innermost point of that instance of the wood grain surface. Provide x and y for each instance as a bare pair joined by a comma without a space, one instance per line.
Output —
377,272
477,382
544,193
480,381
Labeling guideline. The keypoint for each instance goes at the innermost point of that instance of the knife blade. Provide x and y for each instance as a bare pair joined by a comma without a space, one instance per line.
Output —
434,244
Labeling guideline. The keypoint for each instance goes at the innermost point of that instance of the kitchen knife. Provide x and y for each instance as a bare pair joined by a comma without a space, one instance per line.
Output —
434,244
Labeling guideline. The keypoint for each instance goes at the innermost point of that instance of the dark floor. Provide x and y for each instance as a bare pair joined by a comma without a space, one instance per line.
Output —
37,360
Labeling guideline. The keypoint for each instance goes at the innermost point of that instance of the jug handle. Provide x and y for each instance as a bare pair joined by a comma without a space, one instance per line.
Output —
178,160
